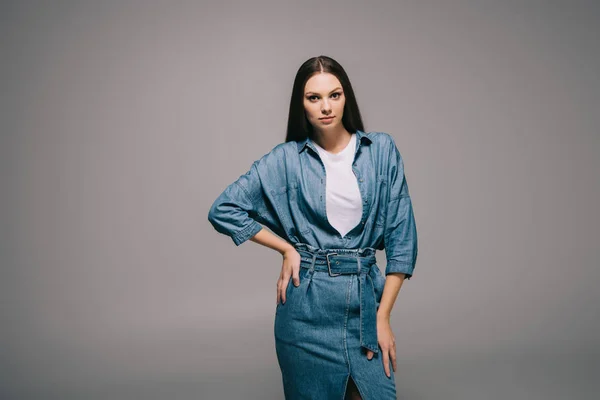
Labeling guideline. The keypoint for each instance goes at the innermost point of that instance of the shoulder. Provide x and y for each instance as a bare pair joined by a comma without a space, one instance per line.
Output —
276,156
274,153
384,143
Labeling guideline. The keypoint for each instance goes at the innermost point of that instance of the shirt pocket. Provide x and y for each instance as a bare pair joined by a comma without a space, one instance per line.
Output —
285,199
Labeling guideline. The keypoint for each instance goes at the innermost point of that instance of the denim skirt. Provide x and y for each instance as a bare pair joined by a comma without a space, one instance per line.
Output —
326,325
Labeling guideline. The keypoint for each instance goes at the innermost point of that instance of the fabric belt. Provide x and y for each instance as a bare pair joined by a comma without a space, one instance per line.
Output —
347,262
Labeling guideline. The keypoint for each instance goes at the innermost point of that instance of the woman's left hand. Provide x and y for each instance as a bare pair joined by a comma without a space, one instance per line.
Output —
387,343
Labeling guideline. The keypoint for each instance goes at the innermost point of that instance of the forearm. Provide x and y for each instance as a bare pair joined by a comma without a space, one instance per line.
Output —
271,241
393,283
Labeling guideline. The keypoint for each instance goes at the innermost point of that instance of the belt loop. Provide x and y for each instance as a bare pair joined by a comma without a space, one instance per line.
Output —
311,272
358,263
312,263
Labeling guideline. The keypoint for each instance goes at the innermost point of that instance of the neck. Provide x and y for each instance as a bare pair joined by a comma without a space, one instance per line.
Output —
333,140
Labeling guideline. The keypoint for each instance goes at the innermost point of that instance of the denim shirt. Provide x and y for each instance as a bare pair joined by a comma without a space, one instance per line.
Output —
284,190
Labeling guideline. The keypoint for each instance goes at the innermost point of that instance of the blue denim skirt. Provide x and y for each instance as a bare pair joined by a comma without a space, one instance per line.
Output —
326,325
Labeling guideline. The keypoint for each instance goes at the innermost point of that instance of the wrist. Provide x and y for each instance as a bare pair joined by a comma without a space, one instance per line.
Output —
287,247
383,316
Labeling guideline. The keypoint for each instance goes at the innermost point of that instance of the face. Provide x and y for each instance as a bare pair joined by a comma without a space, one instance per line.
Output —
324,101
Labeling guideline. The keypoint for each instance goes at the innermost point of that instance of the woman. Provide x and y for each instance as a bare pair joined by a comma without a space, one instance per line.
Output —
334,194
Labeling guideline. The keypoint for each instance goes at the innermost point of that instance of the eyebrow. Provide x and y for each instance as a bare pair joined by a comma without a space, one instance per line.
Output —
337,88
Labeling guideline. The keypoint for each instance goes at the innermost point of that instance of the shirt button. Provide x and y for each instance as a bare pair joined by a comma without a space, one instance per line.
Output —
360,180
363,222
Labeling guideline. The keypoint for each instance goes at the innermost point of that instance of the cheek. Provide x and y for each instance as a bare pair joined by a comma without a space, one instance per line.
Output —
310,112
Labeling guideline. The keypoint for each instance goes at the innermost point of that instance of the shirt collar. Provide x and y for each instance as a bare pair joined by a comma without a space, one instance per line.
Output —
360,136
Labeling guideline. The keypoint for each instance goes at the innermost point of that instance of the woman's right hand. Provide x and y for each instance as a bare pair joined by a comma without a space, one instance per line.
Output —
290,268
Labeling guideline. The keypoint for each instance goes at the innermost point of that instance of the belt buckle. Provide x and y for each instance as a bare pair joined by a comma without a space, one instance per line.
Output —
329,265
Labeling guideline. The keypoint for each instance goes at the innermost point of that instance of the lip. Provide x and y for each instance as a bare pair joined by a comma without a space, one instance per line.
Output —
327,118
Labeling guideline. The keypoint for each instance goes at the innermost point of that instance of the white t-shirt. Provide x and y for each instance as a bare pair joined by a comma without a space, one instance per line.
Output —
343,200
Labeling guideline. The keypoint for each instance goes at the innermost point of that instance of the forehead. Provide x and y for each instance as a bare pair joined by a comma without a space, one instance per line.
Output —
321,82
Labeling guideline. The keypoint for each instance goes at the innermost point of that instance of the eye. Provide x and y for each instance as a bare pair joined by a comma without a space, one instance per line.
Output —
338,95
311,97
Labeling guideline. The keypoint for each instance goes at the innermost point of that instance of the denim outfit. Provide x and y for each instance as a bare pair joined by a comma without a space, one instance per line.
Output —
327,322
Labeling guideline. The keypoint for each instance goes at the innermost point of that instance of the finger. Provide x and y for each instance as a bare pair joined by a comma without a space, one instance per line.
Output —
393,356
370,355
284,285
296,277
278,291
386,362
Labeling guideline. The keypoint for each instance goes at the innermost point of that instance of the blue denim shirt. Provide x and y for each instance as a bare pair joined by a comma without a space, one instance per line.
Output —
284,190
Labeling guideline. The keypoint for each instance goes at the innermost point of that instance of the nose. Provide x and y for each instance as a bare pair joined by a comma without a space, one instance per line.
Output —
325,107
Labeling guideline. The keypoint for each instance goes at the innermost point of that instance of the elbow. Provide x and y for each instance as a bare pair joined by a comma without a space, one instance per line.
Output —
214,215
211,214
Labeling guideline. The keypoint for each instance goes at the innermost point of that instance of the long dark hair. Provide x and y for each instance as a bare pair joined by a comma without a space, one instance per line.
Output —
299,128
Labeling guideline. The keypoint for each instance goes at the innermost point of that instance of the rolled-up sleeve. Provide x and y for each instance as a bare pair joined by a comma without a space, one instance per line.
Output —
400,235
231,213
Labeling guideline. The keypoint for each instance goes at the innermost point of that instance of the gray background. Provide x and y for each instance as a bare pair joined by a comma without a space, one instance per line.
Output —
122,122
